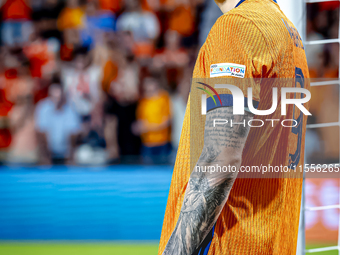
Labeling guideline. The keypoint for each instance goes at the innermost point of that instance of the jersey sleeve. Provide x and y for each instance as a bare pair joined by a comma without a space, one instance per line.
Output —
236,49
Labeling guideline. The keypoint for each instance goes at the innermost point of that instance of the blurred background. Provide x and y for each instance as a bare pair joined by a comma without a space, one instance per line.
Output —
92,99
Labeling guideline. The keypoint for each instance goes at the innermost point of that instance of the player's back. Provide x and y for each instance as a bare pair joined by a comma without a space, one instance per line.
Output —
261,215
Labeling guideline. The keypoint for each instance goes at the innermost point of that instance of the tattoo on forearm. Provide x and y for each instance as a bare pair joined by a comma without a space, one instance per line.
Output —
206,195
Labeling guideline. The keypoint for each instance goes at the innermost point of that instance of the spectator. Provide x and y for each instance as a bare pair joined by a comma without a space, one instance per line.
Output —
5,134
314,52
172,55
41,54
120,108
23,148
57,126
70,21
82,81
110,68
323,62
143,25
46,19
172,59
19,88
97,23
182,20
111,5
71,17
153,121
17,26
5,107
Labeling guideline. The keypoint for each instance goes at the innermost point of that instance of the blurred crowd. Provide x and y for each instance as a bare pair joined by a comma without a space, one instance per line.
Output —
322,144
106,81
97,81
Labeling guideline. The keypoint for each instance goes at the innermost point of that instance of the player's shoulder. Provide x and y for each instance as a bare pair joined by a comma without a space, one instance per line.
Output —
258,11
234,27
260,21
262,16
234,24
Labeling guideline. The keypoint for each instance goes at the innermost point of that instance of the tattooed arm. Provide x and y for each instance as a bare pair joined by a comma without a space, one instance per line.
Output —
207,193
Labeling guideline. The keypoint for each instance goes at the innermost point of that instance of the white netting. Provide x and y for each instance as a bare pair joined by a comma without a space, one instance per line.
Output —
333,82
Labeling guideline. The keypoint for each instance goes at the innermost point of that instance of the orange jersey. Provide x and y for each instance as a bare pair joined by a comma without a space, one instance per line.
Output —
261,215
71,18
153,111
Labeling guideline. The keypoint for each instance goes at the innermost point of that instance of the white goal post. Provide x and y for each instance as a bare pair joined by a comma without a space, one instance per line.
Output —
296,11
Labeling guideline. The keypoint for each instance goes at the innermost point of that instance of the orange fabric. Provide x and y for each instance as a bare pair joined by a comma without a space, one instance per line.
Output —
17,87
110,73
111,5
66,52
70,18
144,49
16,9
38,55
170,4
182,21
261,216
328,6
331,73
155,110
313,73
145,5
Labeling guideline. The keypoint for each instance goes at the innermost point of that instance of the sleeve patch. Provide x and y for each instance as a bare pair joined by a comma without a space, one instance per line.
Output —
227,69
